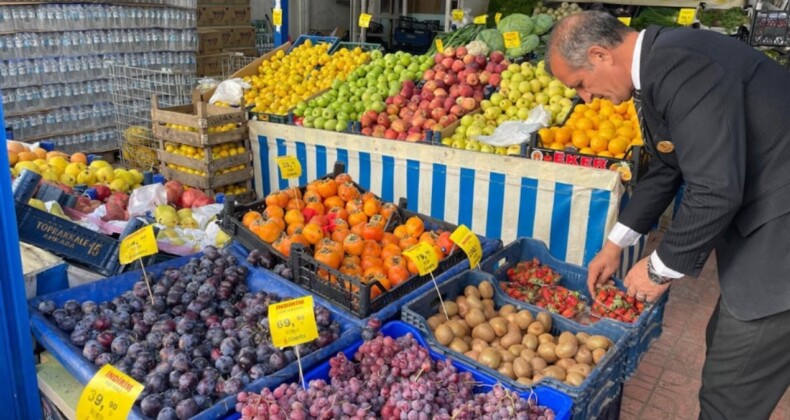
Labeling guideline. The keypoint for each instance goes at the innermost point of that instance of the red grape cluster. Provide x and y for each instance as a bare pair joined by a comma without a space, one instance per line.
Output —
391,379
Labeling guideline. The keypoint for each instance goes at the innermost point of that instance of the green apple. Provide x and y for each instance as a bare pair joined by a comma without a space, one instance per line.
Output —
487,148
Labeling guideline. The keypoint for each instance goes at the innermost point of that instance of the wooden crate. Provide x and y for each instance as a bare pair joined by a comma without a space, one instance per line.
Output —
199,115
199,139
207,164
208,183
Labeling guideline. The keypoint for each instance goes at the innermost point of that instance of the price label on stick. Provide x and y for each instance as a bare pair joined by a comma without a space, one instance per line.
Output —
139,244
290,167
110,394
424,257
470,243
497,17
481,20
626,20
686,16
512,39
292,322
439,45
364,20
277,17
458,15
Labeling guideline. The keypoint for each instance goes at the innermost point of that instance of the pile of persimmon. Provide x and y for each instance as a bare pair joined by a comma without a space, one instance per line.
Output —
345,229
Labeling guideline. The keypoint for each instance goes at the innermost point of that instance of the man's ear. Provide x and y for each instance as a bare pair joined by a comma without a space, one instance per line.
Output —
598,54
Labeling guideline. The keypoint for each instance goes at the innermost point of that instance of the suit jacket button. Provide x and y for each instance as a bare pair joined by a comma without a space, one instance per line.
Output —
665,146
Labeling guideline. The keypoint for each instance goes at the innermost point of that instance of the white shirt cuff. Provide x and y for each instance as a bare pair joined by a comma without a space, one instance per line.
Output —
623,236
661,269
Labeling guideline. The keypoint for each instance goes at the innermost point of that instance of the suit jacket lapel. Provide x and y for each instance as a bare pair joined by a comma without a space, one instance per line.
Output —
651,33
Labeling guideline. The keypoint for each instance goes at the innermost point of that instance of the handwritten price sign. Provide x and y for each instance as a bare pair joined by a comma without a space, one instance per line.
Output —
109,395
292,322
364,20
686,16
290,167
512,39
481,20
470,243
138,245
458,15
277,17
424,257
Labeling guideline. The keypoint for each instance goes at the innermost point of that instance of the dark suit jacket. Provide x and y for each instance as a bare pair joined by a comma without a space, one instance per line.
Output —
726,108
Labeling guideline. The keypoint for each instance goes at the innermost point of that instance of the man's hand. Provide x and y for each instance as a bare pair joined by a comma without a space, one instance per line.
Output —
639,285
603,266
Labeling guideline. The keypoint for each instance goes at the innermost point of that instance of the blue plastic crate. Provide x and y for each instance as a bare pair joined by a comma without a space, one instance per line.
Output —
599,384
643,331
315,39
58,343
557,401
52,279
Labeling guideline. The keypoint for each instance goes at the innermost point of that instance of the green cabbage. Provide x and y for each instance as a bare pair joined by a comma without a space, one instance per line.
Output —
493,39
543,23
516,23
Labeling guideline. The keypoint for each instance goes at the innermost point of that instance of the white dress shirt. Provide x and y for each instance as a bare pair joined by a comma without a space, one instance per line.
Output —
622,235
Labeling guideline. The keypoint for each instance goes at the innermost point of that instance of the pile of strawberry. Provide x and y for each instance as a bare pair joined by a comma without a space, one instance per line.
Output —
611,302
536,283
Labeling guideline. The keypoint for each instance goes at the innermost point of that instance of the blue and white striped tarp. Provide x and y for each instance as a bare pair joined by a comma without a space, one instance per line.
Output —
570,208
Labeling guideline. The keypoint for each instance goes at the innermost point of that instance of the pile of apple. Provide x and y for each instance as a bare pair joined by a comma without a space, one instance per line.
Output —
523,87
365,89
453,87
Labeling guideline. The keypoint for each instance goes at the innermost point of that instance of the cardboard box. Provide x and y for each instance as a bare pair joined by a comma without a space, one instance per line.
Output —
210,65
237,37
209,42
211,16
238,16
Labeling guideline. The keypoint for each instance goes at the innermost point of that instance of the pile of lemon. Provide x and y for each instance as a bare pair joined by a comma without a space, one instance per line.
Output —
186,170
234,189
199,153
285,80
598,128
229,170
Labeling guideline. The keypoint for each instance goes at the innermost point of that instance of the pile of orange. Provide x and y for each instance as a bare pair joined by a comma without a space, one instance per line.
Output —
345,229
598,128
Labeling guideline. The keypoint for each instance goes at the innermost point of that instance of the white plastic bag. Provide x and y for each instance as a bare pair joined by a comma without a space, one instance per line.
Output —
518,132
146,198
204,215
230,91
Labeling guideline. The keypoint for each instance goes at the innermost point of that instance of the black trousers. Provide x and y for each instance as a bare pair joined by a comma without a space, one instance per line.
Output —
747,366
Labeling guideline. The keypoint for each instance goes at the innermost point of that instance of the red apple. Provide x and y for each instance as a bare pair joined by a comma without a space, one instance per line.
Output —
413,137
429,123
393,109
402,136
425,105
367,131
440,75
458,65
468,104
438,57
437,113
430,86
500,68
460,52
478,96
383,120
440,93
490,67
448,62
417,122
390,134
428,75
481,61
484,76
450,79
494,79
497,57
389,100
473,79
465,90
435,103
408,84
449,52
455,110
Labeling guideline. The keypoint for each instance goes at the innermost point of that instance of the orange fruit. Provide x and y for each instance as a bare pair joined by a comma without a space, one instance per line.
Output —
580,139
556,146
606,124
625,132
617,145
26,156
584,124
546,135
605,153
599,144
41,153
607,133
563,135
587,151
79,157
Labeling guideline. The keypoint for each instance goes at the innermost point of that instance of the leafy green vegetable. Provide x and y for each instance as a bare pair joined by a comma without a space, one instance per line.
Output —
661,16
516,23
729,19
492,38
509,7
543,23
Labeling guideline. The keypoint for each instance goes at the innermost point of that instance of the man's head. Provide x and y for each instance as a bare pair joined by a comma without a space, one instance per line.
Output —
592,52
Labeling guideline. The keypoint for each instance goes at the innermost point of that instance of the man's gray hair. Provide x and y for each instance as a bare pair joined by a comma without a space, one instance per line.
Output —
573,36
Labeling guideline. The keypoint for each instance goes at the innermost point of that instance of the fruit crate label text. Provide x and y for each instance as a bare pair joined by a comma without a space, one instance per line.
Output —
512,39
292,322
141,243
424,257
290,167
364,20
110,394
470,243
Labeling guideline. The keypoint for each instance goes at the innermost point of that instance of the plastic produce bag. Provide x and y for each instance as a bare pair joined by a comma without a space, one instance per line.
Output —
518,132
146,198
204,215
230,91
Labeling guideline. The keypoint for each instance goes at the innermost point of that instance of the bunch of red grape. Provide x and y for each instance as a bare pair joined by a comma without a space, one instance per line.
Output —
391,379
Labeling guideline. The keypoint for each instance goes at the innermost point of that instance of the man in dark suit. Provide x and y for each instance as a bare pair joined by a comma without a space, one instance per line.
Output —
715,114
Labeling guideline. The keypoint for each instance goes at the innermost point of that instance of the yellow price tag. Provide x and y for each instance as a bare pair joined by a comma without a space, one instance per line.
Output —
424,257
626,20
364,20
110,394
292,322
439,45
481,20
458,15
512,39
686,16
470,243
497,17
290,167
137,245
277,17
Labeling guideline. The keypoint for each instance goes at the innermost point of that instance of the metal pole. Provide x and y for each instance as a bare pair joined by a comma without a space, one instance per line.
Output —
363,37
19,396
281,32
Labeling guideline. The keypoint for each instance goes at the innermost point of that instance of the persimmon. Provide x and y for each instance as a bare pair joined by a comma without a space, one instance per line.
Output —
267,230
341,224
312,197
372,231
372,249
294,216
328,257
375,290
319,220
411,266
407,243
387,210
355,205
293,193
274,211
352,259
439,252
351,270
312,185
394,260
428,237
280,222
357,228
278,198
283,245
357,218
390,238
415,226
336,247
317,207
367,196
368,261
353,244
400,232
374,270
347,191
326,188
294,228
250,217
334,201
398,274
389,250
339,235
296,204
313,233
339,212
297,239
371,206
378,220
343,178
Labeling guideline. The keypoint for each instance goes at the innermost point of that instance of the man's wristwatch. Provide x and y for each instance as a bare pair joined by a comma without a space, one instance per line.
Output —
654,276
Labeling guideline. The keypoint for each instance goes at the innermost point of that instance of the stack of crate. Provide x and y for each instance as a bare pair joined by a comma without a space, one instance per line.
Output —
224,27
205,146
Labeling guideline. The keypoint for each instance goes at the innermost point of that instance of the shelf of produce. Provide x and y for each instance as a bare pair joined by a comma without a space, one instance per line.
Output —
210,182
196,139
497,196
207,165
70,356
